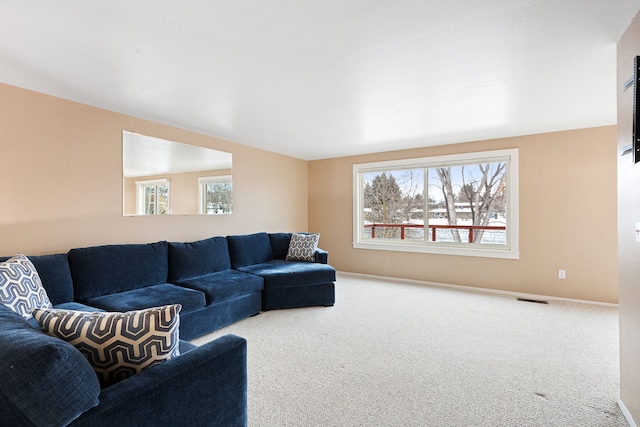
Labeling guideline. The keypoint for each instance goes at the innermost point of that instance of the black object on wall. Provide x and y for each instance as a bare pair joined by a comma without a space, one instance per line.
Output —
636,125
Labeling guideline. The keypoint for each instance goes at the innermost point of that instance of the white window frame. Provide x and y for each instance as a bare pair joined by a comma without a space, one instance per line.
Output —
140,202
509,251
202,181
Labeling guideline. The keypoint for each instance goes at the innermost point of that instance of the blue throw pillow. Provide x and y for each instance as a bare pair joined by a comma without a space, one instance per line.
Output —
43,380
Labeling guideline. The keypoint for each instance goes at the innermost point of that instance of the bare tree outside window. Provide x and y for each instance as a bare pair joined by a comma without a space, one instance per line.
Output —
465,203
215,194
218,198
473,194
457,204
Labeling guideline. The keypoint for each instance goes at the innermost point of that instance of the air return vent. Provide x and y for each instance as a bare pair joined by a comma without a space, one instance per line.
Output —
537,301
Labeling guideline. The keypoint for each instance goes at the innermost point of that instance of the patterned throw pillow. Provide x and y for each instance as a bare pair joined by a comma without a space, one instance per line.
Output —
117,345
302,247
20,286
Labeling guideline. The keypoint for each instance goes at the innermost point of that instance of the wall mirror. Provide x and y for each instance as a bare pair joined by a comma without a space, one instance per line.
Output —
163,177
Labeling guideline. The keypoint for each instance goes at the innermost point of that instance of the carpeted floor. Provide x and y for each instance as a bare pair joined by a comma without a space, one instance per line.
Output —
400,354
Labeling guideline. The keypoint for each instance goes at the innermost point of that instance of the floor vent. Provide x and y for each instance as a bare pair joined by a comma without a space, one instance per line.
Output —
537,301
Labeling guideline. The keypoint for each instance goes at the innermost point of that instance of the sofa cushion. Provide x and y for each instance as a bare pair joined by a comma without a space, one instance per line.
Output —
76,306
151,296
117,345
66,306
280,273
279,244
249,249
195,259
20,287
55,276
103,270
302,247
224,285
186,346
44,381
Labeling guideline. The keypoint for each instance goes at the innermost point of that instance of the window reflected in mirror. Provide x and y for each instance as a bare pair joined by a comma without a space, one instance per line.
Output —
152,197
163,177
215,194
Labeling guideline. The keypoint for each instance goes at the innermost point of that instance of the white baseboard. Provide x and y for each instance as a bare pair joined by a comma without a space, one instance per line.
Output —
627,415
474,289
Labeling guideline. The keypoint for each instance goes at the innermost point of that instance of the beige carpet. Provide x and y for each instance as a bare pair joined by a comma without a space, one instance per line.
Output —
398,354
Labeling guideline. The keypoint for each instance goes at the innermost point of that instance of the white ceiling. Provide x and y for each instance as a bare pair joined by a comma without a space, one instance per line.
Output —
326,78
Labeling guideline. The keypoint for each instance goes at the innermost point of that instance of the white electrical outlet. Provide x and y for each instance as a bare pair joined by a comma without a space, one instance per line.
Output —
562,274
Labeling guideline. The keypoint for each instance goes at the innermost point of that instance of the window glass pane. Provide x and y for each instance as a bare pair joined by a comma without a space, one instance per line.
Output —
218,197
457,204
393,204
467,203
150,200
163,199
153,197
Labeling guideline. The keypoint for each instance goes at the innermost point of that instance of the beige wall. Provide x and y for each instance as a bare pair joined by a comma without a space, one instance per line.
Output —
628,215
62,180
62,188
567,219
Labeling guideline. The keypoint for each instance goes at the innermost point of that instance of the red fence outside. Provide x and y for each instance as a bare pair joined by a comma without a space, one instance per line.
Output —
434,228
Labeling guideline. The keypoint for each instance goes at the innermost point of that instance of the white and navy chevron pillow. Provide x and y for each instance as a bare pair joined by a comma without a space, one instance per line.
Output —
20,286
117,345
302,247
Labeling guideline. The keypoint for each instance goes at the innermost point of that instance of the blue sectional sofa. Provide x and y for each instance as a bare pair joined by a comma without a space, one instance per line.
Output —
217,281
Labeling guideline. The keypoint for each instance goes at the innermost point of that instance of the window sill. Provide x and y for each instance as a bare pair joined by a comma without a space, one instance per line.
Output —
441,249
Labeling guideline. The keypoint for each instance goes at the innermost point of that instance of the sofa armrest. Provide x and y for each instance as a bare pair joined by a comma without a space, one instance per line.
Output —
321,256
205,386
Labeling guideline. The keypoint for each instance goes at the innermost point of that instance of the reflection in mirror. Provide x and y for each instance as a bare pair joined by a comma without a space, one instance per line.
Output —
163,177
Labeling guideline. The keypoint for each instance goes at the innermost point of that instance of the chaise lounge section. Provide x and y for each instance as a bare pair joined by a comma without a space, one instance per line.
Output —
287,284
